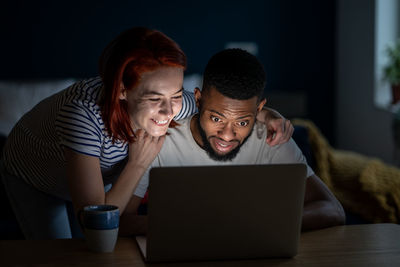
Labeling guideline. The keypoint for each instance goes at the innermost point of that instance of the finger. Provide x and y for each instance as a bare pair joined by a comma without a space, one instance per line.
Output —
282,134
291,131
161,140
286,134
272,142
275,138
270,135
269,139
288,131
140,133
154,139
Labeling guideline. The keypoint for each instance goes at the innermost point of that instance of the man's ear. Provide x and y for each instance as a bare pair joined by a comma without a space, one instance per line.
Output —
197,96
261,105
122,90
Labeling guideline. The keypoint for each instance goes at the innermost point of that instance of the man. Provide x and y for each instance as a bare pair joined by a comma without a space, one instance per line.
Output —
224,131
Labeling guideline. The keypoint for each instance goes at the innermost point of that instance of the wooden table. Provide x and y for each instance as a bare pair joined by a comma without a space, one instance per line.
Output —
355,245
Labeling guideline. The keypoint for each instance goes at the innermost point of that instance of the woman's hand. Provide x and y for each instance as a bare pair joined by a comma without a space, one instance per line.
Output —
279,129
143,151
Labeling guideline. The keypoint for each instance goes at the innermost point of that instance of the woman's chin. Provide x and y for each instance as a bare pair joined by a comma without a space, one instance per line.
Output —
158,133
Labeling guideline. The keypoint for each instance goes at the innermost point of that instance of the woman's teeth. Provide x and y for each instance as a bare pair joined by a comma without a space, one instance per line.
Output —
161,122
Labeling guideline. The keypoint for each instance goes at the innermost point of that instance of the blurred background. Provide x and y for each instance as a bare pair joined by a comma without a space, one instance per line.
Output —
321,57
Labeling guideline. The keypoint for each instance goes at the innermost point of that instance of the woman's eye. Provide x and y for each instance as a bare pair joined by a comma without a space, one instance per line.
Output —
177,97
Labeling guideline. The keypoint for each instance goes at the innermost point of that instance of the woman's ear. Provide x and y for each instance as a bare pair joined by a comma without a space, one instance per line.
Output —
197,96
122,90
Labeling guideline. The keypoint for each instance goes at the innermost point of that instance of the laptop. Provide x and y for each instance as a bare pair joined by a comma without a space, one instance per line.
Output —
202,213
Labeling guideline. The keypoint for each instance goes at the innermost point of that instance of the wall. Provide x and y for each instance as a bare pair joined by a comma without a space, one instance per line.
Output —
360,126
63,39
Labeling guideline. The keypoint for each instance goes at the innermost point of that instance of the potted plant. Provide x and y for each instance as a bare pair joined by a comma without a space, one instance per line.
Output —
391,71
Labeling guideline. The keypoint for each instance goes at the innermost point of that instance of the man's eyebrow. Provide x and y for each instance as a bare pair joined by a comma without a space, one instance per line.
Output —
157,93
214,111
222,115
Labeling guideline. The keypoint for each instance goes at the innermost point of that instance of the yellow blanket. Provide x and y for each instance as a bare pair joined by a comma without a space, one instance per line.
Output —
365,186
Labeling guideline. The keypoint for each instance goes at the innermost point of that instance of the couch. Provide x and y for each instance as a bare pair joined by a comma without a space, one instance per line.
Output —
16,98
365,200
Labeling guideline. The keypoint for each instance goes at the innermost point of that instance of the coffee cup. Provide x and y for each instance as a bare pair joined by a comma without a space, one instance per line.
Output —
100,224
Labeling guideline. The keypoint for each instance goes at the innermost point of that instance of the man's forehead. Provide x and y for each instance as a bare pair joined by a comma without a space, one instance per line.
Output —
231,108
213,101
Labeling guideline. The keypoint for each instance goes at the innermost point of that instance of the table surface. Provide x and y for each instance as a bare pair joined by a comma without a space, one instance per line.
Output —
351,245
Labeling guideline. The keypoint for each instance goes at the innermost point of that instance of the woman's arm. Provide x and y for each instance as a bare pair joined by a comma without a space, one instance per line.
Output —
280,130
85,178
188,105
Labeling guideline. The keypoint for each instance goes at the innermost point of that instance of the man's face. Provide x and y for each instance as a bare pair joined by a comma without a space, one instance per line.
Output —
223,124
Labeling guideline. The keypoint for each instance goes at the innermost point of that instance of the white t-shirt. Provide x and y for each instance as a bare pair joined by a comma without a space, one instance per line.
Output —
180,149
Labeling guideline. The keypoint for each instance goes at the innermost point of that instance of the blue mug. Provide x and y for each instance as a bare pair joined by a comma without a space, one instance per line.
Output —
100,225
100,217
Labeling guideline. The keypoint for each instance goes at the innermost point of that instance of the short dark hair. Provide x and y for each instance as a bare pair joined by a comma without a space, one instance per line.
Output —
235,73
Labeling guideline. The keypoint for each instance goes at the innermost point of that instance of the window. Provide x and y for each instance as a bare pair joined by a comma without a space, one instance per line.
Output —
387,30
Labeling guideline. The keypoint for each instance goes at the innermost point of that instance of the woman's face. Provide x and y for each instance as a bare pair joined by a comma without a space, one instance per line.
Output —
154,102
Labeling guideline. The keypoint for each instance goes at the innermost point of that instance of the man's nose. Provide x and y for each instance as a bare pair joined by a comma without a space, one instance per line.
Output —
227,133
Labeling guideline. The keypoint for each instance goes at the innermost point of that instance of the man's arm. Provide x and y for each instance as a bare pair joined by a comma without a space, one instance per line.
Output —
321,208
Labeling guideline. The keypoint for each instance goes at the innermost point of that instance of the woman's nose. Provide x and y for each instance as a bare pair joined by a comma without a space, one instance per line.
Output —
166,108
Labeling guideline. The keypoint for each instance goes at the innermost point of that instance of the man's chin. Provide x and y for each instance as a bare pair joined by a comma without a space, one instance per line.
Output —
217,155
221,153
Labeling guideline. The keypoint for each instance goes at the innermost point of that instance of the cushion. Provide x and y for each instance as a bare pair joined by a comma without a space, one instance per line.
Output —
300,136
18,97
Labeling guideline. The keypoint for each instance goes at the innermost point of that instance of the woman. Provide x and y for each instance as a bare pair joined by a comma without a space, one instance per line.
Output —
96,133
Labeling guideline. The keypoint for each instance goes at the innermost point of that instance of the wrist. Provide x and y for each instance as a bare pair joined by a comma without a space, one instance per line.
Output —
135,166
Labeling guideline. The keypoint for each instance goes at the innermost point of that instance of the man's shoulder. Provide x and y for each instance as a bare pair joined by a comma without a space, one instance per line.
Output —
182,127
180,148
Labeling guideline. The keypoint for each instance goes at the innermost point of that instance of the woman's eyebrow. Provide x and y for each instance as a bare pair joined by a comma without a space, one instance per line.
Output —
157,93
180,90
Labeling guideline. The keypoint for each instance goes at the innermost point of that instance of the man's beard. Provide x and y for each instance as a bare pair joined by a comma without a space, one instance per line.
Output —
210,151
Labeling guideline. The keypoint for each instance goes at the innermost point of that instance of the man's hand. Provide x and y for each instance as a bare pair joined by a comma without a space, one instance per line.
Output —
279,129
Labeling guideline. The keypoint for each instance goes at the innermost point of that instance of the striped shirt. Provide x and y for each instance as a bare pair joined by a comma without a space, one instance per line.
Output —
70,118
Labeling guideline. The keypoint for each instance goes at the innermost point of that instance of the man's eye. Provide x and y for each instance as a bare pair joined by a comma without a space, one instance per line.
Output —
243,123
154,99
215,119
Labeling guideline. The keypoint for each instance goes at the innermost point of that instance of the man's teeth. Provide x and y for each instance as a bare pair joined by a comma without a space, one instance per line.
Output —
223,145
161,122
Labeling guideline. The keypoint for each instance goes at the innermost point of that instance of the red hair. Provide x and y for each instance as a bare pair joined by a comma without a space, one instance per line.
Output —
123,61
